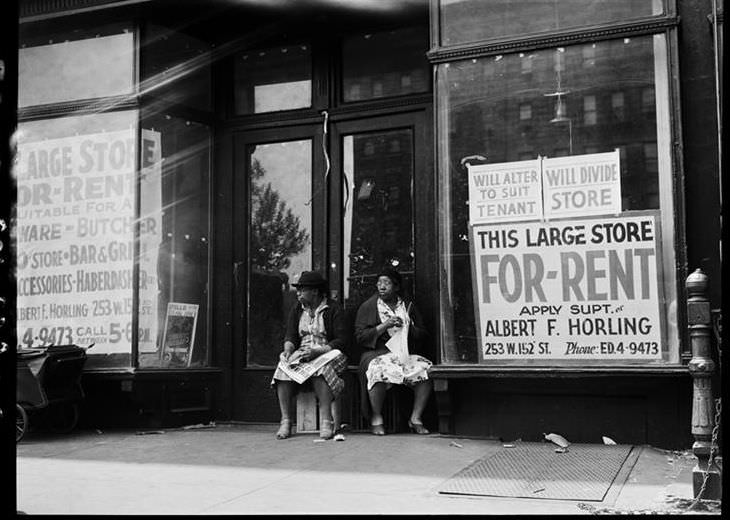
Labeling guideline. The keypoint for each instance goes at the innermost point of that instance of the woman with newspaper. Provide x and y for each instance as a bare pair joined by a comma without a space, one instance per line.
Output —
391,330
315,333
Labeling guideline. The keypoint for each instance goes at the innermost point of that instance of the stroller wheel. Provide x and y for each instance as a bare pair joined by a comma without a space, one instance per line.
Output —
21,422
63,417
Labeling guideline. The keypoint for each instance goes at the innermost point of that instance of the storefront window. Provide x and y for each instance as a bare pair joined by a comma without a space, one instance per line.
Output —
75,233
269,80
176,67
173,243
465,21
378,225
280,240
76,65
557,238
401,67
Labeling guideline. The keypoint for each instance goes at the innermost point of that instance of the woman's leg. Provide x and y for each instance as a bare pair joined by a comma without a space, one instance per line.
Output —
377,398
337,412
284,391
421,391
324,397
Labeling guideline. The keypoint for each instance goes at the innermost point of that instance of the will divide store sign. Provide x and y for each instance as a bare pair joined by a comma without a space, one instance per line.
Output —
559,272
578,185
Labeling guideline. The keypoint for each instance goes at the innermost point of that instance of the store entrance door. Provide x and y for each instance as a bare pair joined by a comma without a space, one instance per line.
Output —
343,207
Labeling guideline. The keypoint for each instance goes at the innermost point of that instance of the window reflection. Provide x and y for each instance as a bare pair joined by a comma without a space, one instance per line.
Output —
173,260
401,67
280,245
176,67
378,221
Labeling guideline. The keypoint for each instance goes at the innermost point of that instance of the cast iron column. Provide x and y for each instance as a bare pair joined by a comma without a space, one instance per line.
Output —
706,473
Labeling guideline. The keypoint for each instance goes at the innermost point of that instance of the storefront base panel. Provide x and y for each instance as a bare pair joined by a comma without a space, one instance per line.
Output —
254,399
256,402
636,410
143,400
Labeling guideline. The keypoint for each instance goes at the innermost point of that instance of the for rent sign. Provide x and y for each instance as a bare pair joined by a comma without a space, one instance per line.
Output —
75,236
578,289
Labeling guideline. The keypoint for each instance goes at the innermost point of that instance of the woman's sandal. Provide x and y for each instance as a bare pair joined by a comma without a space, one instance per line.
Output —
326,429
418,428
284,431
377,429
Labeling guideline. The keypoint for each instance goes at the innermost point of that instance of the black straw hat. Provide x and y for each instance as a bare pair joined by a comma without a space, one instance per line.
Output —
310,279
391,273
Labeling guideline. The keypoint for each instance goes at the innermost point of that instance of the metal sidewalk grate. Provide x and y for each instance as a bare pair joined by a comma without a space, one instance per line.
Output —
535,470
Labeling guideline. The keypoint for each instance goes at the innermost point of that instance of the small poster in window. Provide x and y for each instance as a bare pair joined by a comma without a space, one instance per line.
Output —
179,334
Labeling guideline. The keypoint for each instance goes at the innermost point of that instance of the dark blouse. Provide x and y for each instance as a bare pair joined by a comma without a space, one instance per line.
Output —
366,336
334,325
367,319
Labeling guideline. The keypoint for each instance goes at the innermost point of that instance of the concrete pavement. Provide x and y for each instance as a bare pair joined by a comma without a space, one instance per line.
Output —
242,469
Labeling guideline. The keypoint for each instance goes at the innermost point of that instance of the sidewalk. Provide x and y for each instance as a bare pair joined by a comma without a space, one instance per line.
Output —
242,469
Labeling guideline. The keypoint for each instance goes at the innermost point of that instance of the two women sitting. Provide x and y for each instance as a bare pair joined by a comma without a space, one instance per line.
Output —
388,327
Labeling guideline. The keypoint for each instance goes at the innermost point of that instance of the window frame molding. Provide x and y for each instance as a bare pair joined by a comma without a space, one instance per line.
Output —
535,41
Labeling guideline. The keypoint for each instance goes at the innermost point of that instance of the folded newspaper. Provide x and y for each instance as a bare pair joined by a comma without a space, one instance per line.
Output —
300,371
398,343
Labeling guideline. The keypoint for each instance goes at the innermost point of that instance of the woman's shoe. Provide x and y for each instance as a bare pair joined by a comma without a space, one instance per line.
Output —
326,429
377,429
418,428
284,431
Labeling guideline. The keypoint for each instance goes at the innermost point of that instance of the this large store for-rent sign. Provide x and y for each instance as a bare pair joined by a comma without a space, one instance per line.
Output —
562,274
75,240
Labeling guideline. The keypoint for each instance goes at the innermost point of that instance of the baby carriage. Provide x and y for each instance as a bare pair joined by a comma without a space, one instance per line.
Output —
49,387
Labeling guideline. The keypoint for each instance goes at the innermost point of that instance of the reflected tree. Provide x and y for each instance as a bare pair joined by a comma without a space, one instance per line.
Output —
276,237
275,230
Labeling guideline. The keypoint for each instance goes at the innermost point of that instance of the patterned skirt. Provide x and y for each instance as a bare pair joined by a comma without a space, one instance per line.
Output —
330,372
389,369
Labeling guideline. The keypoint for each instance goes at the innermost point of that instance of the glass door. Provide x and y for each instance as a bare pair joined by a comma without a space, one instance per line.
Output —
279,215
373,199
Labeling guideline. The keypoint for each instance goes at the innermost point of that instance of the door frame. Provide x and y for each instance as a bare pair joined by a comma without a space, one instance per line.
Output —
242,374
248,392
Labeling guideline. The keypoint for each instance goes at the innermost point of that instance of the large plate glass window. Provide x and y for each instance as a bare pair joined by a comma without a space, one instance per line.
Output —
173,243
557,236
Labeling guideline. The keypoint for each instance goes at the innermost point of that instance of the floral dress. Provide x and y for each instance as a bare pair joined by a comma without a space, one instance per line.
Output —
392,368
